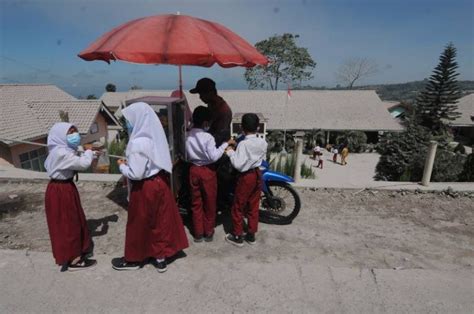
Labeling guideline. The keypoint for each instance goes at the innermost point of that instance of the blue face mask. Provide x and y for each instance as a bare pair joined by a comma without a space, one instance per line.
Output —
73,140
129,127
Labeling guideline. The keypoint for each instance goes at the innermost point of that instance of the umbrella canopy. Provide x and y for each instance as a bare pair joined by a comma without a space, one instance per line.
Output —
174,39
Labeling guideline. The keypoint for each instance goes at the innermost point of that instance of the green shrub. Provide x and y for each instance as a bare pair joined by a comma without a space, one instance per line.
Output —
356,141
116,148
448,166
467,175
307,172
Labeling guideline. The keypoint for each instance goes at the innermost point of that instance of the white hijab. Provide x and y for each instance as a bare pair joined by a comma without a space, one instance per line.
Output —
148,136
57,146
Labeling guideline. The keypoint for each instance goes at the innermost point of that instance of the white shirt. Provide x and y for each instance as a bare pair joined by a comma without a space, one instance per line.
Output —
65,162
147,149
62,160
249,154
201,148
138,165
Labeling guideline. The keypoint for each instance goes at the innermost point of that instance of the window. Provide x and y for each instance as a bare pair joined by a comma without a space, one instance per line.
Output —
33,160
94,128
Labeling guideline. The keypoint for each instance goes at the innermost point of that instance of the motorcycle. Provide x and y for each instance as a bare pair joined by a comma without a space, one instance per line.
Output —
279,205
280,202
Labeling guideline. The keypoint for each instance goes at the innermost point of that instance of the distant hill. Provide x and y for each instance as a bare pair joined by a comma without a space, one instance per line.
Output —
406,92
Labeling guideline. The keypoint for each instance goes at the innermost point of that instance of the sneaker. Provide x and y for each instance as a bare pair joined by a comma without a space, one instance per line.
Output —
235,240
198,239
250,238
82,264
161,266
122,264
209,238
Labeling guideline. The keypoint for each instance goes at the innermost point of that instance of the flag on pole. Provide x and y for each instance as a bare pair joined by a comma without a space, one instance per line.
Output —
289,92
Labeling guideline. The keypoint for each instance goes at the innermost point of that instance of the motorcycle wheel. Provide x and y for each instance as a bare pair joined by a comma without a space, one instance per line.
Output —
280,205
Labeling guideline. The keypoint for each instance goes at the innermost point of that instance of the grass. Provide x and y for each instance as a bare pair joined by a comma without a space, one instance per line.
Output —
286,163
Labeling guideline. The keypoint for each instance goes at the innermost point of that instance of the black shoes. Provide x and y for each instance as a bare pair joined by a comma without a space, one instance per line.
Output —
122,264
160,266
250,238
84,263
209,238
235,240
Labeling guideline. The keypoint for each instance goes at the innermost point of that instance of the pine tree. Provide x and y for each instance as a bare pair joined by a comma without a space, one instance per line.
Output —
436,105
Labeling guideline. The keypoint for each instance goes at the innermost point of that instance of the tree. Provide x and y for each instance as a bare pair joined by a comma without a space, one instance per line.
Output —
111,88
135,87
354,69
436,104
402,155
288,63
91,96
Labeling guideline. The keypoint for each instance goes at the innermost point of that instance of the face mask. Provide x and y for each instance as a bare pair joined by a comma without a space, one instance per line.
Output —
206,128
73,140
129,127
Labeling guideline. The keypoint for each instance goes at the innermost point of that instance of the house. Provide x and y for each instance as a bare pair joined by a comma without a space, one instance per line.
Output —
29,110
328,110
464,125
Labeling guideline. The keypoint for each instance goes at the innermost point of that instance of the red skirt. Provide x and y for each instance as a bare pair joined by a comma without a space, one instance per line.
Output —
66,222
154,226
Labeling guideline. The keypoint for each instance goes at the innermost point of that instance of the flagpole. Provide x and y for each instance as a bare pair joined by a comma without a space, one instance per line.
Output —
288,94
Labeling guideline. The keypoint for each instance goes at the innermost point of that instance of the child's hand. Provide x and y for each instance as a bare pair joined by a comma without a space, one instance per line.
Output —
231,142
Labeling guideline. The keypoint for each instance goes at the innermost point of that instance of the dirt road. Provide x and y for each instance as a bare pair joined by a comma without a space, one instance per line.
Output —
347,228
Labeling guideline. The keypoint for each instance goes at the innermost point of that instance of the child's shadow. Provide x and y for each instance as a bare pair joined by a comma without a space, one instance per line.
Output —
100,227
119,194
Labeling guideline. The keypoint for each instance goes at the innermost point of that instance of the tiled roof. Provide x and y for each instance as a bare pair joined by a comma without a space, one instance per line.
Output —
16,119
29,111
82,113
328,110
466,108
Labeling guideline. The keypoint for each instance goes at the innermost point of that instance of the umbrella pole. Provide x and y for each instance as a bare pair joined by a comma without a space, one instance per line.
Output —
180,82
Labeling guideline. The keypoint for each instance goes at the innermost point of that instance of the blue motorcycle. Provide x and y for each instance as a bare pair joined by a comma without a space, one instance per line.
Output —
280,203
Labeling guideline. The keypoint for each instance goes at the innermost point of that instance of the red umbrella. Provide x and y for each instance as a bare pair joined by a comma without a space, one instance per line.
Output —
174,39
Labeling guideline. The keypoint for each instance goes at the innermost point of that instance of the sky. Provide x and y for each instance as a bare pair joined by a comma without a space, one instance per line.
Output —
40,39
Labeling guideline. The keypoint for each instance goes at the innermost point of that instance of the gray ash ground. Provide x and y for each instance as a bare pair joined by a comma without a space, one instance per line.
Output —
367,229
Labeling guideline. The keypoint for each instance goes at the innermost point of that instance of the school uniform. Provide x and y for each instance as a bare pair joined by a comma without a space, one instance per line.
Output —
202,154
154,226
247,159
64,214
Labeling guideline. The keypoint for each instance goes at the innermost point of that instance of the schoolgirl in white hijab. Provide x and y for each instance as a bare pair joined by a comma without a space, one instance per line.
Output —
67,225
62,160
147,150
154,227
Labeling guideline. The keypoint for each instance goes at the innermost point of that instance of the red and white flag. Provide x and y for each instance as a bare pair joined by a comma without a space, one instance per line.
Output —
289,92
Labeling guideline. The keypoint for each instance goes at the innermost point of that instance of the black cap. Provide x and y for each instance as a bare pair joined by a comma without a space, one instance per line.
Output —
204,85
